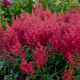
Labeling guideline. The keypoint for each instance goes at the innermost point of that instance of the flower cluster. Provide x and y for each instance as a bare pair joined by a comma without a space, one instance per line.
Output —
36,30
68,74
1,39
71,17
6,2
27,67
67,39
40,56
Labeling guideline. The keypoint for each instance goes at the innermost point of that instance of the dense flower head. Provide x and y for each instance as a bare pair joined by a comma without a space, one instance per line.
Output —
17,48
11,41
26,67
71,17
40,56
66,39
68,74
9,38
34,28
6,2
21,78
0,48
1,32
1,38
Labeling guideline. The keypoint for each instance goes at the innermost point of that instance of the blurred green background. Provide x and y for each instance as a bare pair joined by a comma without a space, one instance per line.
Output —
27,5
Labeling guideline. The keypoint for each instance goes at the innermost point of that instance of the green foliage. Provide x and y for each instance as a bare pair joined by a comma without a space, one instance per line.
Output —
11,77
59,5
15,9
53,70
49,69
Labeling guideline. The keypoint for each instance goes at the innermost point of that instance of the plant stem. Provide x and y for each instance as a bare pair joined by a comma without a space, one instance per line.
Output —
7,63
41,74
69,65
44,72
55,68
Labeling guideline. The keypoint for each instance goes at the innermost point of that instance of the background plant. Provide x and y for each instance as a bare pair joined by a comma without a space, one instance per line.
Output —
27,5
15,8
59,5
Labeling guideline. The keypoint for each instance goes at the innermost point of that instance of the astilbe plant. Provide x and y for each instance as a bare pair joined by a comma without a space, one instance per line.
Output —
40,56
39,60
1,39
1,32
67,38
27,67
30,28
72,17
68,74
38,29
